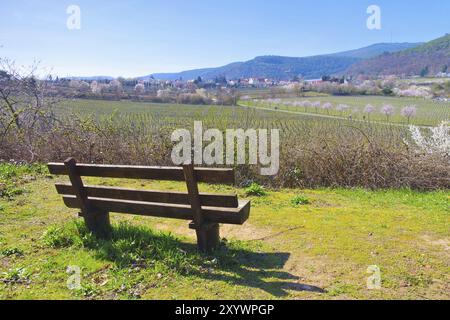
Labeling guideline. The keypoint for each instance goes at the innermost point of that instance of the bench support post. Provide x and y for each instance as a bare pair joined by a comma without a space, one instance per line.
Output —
207,233
96,221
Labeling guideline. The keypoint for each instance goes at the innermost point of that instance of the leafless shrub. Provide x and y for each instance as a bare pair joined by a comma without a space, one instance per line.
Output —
25,108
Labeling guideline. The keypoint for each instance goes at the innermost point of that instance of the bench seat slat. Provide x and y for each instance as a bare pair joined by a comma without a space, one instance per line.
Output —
211,200
212,214
219,176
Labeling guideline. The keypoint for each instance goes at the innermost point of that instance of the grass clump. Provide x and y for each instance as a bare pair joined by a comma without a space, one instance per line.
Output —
88,290
16,275
11,252
300,200
255,190
62,237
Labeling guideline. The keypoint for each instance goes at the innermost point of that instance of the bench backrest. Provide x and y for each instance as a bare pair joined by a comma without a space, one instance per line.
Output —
218,176
200,207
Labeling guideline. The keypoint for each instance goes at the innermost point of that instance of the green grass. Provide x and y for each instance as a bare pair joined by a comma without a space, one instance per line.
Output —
289,249
13,175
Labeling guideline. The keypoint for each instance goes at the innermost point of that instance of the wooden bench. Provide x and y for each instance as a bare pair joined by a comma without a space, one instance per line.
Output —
205,210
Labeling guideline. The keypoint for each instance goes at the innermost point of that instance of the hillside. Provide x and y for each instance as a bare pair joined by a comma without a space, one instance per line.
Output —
285,68
433,55
274,67
376,50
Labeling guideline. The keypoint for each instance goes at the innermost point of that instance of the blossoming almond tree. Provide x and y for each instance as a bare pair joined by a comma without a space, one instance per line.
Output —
387,110
327,106
369,109
307,104
408,112
317,105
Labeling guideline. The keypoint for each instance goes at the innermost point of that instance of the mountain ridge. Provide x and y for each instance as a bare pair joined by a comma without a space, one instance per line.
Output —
428,58
286,68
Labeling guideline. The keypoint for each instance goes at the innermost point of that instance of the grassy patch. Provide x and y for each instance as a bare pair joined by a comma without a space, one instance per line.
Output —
287,250
128,246
14,175
137,253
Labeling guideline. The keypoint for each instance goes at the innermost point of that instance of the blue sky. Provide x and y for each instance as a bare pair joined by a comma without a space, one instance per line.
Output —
135,38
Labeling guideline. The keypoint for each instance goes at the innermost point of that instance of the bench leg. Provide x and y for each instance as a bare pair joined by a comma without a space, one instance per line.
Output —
208,237
98,223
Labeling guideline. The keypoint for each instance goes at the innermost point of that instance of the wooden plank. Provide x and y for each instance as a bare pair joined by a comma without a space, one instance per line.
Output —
206,199
206,241
77,184
222,215
207,175
194,197
96,220
211,214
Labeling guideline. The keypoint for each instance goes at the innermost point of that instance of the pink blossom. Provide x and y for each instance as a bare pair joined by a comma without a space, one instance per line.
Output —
409,112
317,105
369,109
307,103
387,110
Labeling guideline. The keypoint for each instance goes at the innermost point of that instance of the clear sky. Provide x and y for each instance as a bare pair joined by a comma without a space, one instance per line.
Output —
136,38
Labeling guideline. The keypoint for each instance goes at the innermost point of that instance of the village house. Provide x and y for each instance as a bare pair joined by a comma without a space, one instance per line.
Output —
314,81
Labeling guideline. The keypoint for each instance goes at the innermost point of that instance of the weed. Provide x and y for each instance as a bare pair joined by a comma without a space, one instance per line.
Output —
17,275
300,200
255,190
11,251
88,290
62,237
417,280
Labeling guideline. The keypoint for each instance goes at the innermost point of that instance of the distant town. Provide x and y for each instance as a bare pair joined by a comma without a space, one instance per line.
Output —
227,92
